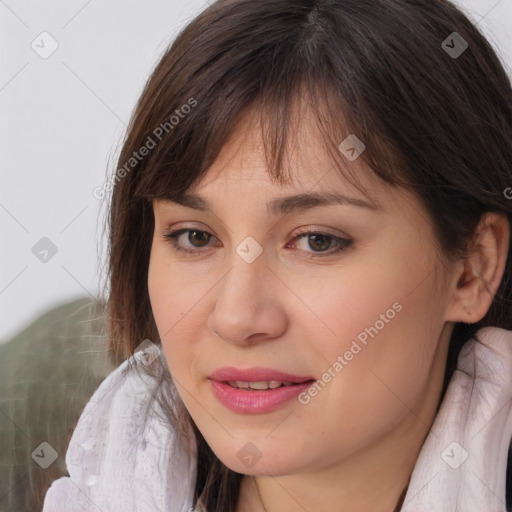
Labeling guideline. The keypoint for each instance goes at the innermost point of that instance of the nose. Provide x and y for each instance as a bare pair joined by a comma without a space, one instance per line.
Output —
248,306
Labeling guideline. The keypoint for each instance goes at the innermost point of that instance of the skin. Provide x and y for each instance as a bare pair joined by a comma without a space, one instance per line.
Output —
354,445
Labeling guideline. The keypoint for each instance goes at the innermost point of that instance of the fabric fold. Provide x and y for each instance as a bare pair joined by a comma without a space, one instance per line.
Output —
462,464
116,460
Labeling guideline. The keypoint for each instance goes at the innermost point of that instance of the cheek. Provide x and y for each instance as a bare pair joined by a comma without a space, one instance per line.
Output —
384,323
389,300
177,309
168,291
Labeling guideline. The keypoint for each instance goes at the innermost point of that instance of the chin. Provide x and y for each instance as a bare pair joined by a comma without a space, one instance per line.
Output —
247,459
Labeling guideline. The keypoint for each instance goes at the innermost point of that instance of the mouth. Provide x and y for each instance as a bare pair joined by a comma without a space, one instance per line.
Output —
257,376
256,390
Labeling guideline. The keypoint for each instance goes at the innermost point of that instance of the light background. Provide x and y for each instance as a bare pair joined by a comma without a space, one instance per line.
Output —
61,124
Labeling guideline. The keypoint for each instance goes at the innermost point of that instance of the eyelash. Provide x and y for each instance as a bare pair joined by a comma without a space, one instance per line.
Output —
342,243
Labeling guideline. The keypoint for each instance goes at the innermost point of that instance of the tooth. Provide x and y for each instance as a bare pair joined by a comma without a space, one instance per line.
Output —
259,385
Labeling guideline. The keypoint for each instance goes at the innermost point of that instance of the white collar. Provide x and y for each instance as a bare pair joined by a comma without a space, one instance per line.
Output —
115,464
463,462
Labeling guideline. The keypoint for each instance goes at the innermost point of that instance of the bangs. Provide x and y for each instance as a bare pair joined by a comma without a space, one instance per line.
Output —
278,98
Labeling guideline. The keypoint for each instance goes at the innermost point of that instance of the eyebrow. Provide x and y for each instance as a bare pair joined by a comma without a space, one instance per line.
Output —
283,205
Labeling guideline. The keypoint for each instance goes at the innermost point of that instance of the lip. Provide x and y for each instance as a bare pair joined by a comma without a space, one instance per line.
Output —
254,402
255,374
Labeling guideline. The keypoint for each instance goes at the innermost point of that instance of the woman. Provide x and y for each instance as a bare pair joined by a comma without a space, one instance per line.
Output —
312,202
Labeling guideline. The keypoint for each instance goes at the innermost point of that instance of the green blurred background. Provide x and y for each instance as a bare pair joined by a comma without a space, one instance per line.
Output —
48,372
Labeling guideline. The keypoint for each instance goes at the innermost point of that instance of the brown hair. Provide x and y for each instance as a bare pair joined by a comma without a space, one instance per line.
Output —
435,123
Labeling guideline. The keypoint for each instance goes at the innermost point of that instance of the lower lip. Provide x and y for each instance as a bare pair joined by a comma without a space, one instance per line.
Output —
239,400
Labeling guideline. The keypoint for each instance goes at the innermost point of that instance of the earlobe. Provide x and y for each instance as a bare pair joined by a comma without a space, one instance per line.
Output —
478,276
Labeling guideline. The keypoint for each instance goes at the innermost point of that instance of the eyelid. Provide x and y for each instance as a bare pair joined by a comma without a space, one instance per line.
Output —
343,241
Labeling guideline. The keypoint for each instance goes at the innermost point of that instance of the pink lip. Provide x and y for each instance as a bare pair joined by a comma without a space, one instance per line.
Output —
253,402
255,375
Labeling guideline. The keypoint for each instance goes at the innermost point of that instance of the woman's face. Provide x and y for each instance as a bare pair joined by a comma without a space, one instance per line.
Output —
355,307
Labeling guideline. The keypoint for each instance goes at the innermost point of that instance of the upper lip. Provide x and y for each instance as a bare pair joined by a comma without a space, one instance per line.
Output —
256,374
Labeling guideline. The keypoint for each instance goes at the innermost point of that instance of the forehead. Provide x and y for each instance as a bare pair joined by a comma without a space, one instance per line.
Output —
310,174
309,165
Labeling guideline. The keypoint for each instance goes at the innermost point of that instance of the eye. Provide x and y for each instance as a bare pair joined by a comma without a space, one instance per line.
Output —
323,244
194,236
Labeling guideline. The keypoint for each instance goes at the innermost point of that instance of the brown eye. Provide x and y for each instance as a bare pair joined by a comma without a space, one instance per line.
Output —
200,236
323,244
196,239
319,242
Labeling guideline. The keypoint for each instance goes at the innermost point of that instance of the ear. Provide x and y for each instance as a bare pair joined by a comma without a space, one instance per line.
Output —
477,277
